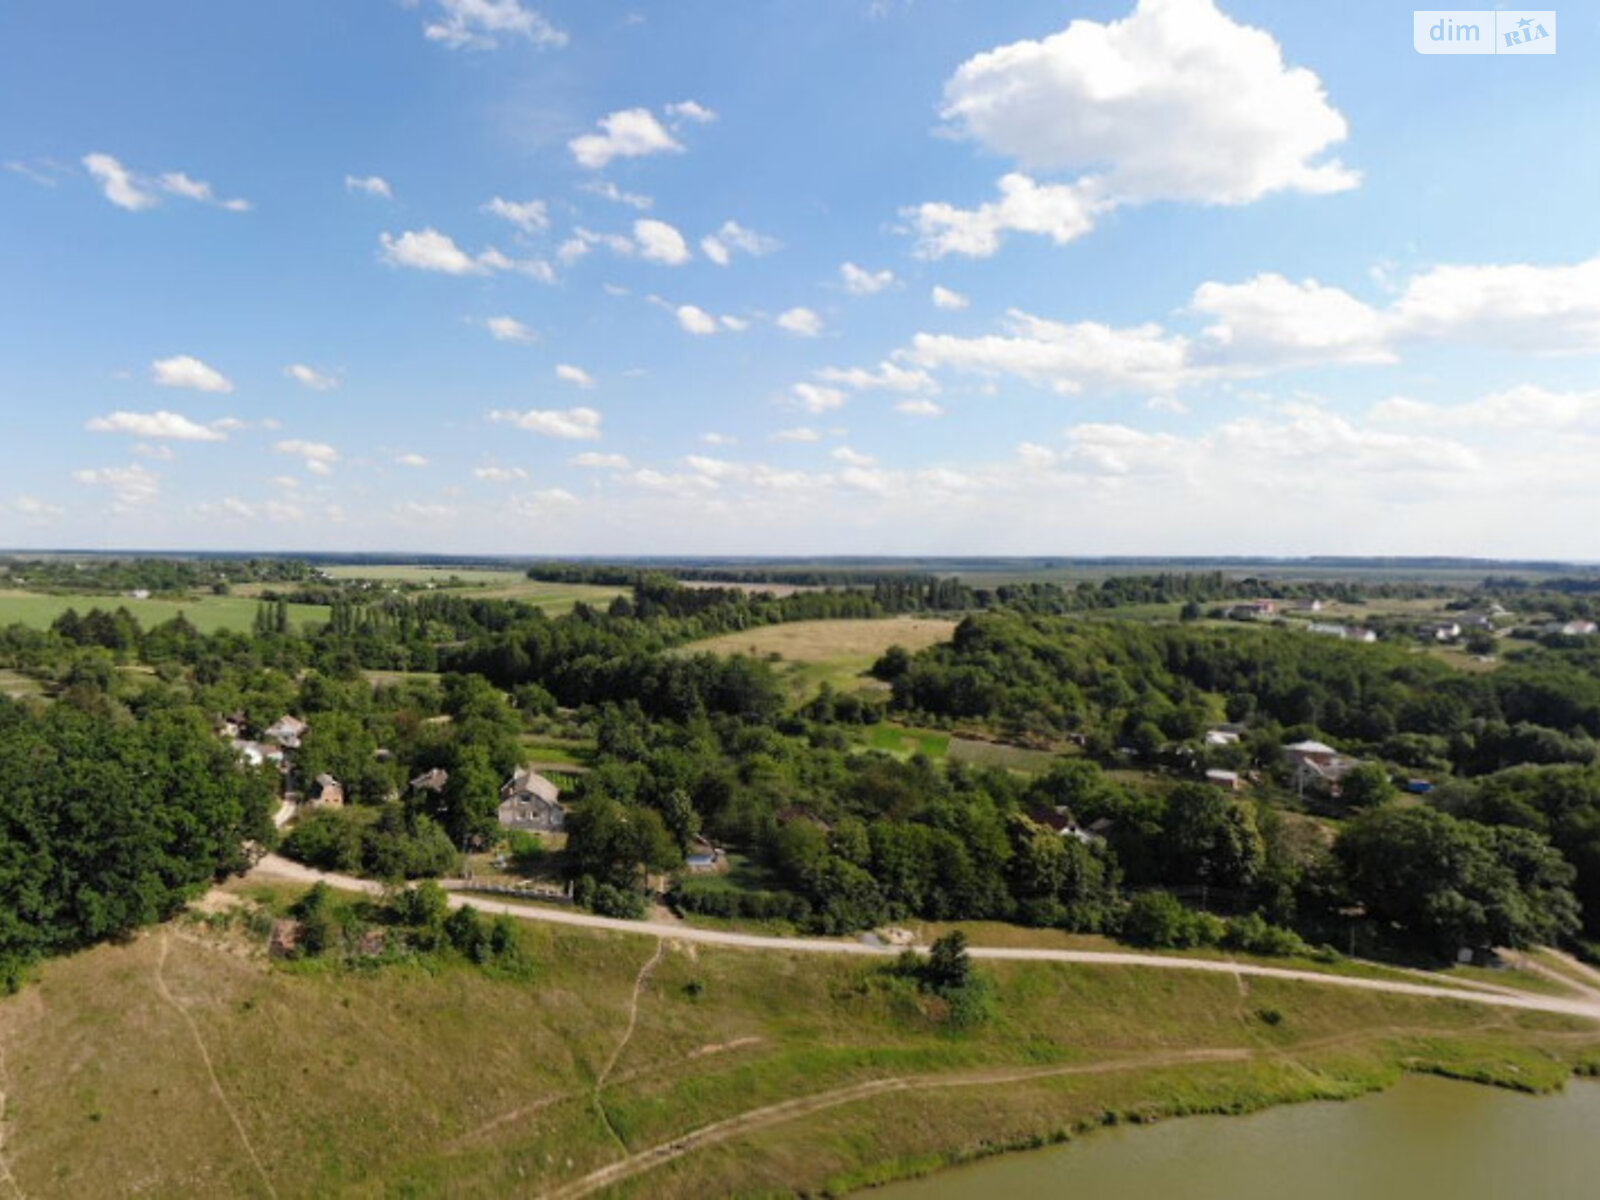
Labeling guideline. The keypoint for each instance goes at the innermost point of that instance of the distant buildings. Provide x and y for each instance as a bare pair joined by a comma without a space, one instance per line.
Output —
1252,610
1346,633
1577,628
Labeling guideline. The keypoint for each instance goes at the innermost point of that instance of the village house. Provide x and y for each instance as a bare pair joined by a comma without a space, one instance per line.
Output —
797,812
1221,737
433,781
1440,631
1227,780
287,732
531,802
703,858
1343,632
1309,606
1317,766
255,754
1252,610
326,792
1579,628
1061,821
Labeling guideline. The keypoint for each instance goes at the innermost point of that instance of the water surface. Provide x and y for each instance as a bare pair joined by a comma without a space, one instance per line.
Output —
1422,1139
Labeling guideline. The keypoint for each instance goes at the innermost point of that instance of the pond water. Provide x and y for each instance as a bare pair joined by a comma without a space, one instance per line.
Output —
1422,1139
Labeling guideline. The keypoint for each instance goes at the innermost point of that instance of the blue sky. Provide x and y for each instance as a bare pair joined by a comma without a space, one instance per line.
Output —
855,276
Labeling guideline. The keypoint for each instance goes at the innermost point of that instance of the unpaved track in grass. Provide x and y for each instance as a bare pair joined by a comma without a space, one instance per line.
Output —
211,1071
627,1036
273,867
5,1098
805,1106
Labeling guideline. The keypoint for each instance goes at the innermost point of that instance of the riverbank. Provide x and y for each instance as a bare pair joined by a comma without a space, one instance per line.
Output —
635,1066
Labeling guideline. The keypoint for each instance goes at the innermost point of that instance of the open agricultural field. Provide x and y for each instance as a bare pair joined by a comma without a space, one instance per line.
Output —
207,613
810,653
441,576
556,599
183,1063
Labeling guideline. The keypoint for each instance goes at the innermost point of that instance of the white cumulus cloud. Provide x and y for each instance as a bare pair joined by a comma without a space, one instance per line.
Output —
480,24
160,425
310,377
1176,101
430,250
659,242
695,320
131,487
596,461
801,321
530,216
578,423
859,281
576,376
816,399
628,133
733,237
509,329
186,371
369,185
317,457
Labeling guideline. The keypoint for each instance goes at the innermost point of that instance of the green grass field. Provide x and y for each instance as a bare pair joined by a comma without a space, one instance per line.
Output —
903,742
176,1063
1012,758
207,613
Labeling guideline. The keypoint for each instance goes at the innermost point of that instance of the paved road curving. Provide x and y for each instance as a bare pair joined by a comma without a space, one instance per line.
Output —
275,867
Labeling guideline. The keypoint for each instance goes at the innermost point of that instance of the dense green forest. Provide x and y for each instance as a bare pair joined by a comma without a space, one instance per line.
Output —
122,799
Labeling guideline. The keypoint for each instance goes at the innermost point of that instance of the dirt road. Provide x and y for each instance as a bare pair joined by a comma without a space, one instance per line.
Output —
274,867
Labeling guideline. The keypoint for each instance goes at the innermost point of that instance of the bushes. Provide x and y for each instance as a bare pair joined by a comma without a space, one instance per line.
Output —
731,903
419,921
609,900
947,973
392,844
1159,919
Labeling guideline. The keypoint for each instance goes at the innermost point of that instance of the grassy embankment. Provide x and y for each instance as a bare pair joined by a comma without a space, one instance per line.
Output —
154,1065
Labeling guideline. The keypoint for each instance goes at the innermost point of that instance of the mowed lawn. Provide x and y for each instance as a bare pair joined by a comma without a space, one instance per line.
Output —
207,613
834,652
